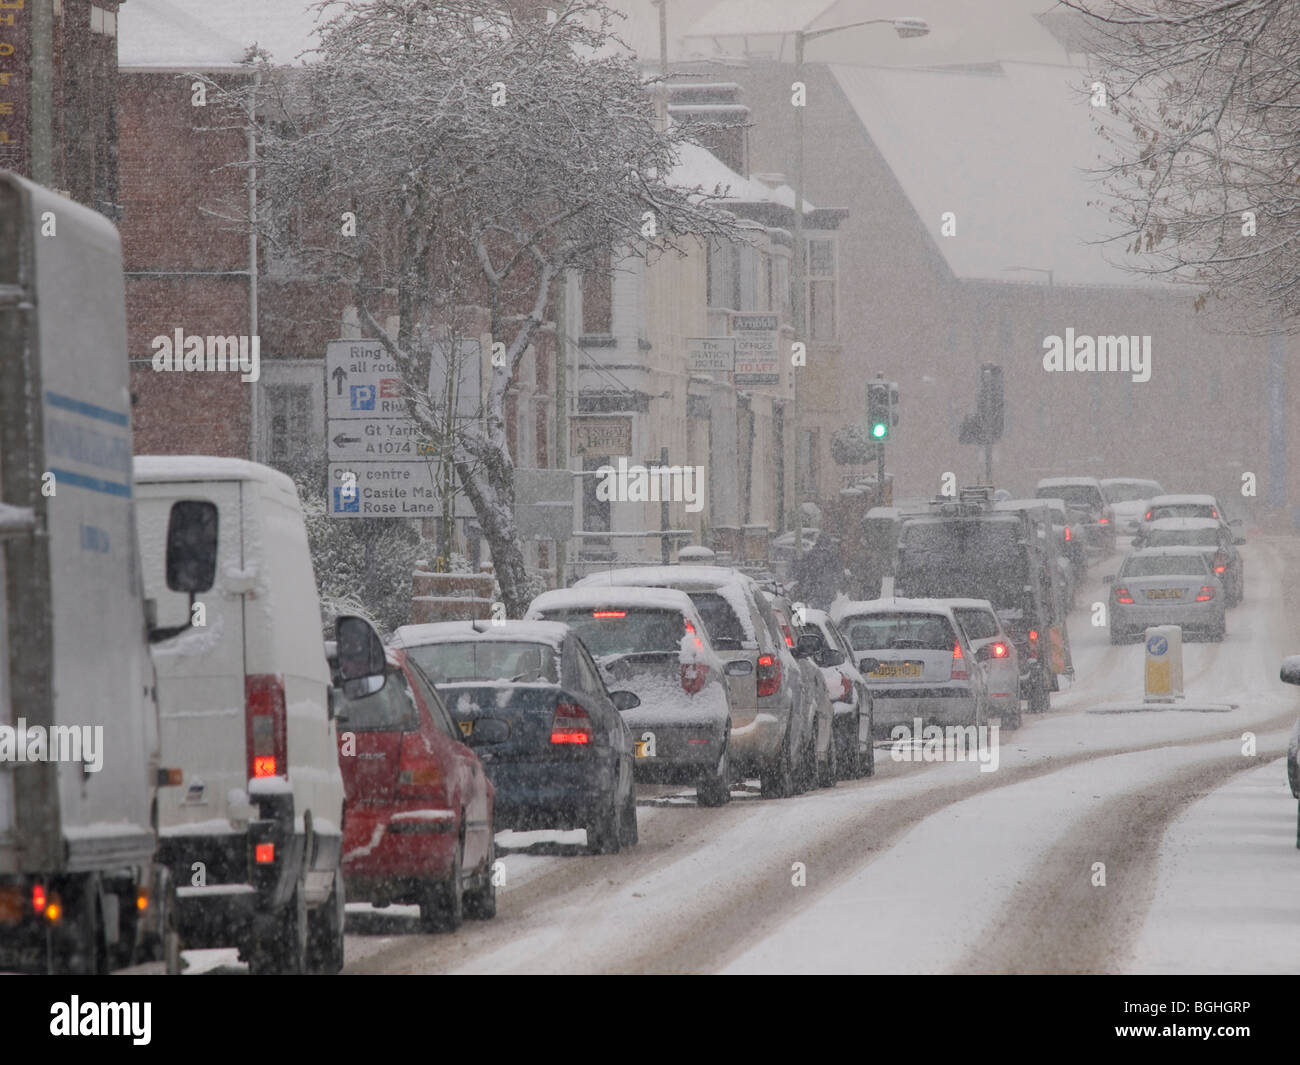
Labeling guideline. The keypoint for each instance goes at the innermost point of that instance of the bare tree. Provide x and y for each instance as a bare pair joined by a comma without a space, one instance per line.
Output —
484,147
1204,179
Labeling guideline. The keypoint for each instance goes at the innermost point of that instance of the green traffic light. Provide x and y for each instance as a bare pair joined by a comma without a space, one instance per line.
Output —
879,430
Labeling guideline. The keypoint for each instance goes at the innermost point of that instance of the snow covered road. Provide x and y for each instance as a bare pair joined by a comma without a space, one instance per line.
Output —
934,867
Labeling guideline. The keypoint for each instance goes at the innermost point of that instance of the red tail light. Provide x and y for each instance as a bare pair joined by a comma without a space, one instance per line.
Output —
694,676
846,690
1103,521
785,630
1214,513
769,675
1146,516
609,613
958,672
1067,534
420,776
572,724
1207,593
264,724
1220,563
999,650
1123,595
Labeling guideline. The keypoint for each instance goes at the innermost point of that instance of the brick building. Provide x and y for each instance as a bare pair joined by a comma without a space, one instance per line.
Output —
58,97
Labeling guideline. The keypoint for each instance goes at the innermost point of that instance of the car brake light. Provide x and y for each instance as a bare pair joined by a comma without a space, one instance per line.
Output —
264,723
1123,595
769,675
694,676
609,613
1067,534
1103,521
1219,569
572,724
999,650
1207,593
264,853
957,656
785,631
1146,516
1214,513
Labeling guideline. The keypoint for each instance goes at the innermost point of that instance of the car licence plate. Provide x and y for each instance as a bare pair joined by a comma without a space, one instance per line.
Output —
466,727
639,748
1164,593
897,669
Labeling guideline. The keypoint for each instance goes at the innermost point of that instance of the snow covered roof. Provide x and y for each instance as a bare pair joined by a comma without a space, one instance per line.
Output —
1178,550
612,596
186,35
1065,482
660,576
698,167
970,604
159,468
547,632
1175,500
852,608
1019,188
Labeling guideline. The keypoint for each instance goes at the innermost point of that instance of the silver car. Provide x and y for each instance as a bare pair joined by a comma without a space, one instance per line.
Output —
1166,586
996,652
769,694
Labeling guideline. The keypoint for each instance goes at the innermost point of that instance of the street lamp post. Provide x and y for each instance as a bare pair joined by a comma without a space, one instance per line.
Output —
904,27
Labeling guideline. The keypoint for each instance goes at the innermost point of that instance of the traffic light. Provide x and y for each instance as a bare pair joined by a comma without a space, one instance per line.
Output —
989,407
879,416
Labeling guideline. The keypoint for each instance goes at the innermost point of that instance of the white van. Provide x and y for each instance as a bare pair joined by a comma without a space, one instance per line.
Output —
253,837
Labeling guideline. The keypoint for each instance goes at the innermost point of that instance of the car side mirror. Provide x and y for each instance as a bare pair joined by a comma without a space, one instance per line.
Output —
625,700
362,661
831,656
738,667
1290,672
984,653
808,645
487,730
868,665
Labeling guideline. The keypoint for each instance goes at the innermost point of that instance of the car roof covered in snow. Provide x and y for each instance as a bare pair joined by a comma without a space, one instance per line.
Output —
1172,549
174,468
1054,482
1181,524
1106,482
615,595
971,604
1175,500
547,632
858,607
664,576
1029,504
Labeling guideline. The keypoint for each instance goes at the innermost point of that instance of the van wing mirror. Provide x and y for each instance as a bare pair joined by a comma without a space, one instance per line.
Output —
362,659
831,656
868,665
808,645
1290,672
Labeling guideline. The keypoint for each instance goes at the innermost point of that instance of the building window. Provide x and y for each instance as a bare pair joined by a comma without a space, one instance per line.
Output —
724,275
290,416
821,289
598,297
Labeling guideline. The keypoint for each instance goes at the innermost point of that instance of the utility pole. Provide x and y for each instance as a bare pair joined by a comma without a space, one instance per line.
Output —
561,405
665,552
797,274
254,394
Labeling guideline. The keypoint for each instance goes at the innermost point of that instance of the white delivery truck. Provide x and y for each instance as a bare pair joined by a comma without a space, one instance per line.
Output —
78,721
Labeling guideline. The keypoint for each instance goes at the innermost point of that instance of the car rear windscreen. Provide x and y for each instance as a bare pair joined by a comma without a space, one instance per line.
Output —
1182,510
1165,566
390,709
1075,495
725,631
1130,491
979,624
890,632
515,660
616,630
1182,538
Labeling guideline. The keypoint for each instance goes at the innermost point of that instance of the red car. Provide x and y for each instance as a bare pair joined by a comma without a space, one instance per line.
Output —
418,824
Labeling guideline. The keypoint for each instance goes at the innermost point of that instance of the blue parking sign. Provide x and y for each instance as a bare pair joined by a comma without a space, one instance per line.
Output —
347,501
363,397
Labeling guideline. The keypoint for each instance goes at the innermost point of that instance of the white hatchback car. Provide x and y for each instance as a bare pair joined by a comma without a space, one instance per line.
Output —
996,652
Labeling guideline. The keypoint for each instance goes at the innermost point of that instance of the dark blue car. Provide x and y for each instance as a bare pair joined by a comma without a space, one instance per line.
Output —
530,701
